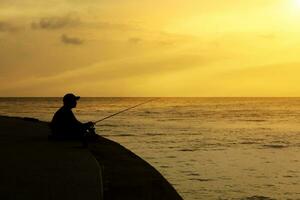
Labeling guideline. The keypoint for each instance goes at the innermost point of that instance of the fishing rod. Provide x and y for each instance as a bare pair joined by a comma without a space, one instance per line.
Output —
124,110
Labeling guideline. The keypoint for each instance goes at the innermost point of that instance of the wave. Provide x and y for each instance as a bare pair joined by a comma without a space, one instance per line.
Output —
257,198
253,120
275,146
249,142
151,112
201,179
123,135
108,125
153,134
187,149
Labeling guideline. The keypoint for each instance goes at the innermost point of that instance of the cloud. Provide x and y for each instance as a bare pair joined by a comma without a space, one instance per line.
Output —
134,40
268,36
53,23
71,40
106,25
111,73
7,27
72,20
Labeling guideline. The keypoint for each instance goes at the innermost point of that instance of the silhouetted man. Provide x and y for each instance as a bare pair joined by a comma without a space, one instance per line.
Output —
64,123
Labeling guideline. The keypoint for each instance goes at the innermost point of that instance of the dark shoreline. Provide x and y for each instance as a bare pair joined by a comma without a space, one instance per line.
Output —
124,175
127,176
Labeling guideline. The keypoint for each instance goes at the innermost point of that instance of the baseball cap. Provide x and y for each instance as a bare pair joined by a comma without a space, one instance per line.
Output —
70,97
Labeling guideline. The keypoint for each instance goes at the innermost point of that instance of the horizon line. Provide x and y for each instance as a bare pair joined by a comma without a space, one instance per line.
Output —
154,96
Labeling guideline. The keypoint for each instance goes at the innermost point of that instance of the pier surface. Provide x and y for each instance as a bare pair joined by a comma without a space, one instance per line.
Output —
33,167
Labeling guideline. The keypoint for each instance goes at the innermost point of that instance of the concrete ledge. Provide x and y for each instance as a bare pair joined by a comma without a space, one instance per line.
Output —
128,177
34,168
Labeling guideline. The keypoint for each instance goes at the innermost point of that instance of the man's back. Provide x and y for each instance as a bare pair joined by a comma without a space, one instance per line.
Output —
64,123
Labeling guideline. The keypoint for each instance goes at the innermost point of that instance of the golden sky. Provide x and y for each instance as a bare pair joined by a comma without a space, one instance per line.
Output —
150,47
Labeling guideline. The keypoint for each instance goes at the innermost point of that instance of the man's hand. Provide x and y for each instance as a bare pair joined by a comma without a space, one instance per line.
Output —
90,124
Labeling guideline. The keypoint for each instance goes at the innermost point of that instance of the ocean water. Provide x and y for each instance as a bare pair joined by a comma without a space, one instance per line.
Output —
208,148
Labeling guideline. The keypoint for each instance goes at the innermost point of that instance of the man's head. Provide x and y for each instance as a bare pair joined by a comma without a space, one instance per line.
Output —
70,100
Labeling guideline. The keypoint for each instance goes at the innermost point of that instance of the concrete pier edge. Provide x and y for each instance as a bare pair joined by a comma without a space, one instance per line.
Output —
114,171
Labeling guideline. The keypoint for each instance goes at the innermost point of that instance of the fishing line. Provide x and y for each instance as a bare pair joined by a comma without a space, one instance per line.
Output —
124,110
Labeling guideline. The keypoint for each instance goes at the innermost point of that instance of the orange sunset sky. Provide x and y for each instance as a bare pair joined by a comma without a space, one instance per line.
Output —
150,47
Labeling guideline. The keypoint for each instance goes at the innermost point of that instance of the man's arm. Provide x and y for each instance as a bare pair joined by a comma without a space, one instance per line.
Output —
80,124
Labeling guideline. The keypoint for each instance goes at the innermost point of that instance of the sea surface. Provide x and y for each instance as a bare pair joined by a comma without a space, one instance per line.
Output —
208,148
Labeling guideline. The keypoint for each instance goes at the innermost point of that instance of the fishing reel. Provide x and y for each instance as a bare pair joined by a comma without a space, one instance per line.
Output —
92,130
